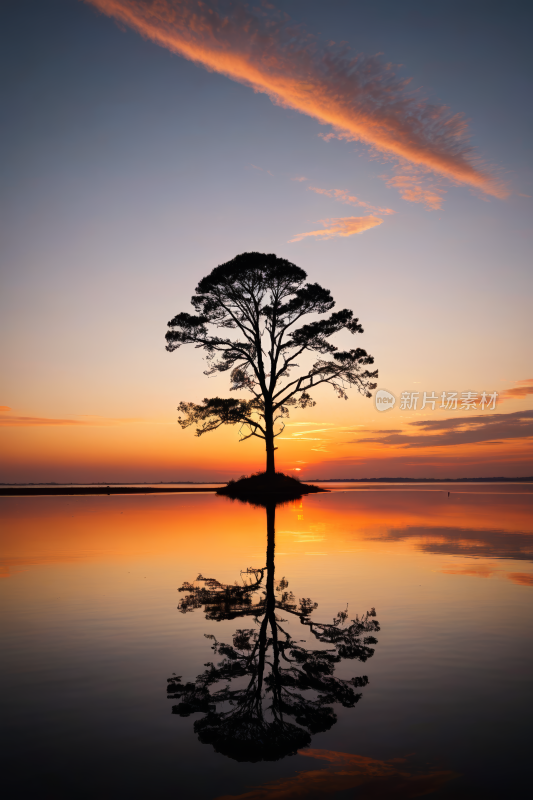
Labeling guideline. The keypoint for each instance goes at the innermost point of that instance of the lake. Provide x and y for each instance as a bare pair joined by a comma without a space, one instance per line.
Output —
371,642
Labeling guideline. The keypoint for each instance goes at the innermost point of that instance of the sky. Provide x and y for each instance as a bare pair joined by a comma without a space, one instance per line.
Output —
384,148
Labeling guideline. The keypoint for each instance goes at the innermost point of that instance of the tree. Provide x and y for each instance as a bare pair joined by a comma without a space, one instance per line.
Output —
268,693
263,299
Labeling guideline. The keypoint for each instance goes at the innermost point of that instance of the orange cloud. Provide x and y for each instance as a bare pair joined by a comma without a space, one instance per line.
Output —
522,389
451,431
411,190
360,97
341,226
349,200
476,570
347,771
522,578
254,166
13,421
487,571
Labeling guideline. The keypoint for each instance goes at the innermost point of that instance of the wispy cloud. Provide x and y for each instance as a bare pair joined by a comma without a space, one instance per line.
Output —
350,200
24,422
488,571
293,424
479,429
341,226
517,392
316,430
300,179
303,438
412,188
254,166
15,421
521,578
361,97
473,570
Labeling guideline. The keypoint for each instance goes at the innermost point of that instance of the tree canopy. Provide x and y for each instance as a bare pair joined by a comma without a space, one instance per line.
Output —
249,321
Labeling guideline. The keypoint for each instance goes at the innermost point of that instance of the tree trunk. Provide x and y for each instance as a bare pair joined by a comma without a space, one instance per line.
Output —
271,544
270,611
269,442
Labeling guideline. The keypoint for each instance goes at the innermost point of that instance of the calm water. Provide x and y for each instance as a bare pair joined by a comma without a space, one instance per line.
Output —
411,676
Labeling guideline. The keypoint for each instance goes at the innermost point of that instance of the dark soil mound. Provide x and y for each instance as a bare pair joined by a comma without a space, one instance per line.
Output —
262,486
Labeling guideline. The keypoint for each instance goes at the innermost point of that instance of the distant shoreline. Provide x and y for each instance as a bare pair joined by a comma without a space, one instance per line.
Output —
122,483
27,491
34,489
421,480
155,484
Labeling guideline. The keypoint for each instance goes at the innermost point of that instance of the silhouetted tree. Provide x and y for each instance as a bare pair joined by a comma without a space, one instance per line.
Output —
277,680
263,299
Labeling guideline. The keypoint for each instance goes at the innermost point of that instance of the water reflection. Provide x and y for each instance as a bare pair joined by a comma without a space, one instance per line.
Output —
65,530
373,779
277,693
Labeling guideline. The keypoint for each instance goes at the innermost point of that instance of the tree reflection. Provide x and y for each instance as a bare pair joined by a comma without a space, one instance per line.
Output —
276,692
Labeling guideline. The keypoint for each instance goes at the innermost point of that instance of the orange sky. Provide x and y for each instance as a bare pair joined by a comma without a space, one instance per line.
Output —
167,138
86,449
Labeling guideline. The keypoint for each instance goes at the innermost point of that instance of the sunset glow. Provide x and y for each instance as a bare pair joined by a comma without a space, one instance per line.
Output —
170,137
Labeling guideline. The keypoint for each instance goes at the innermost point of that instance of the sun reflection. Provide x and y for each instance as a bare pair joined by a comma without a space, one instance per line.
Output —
267,692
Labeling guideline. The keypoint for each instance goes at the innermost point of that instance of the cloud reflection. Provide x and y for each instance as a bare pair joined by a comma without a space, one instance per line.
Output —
345,771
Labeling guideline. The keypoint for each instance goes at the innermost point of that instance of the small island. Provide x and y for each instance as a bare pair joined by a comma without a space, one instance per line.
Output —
278,487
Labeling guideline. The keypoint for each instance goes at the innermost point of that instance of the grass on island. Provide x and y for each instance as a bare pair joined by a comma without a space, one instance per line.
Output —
262,484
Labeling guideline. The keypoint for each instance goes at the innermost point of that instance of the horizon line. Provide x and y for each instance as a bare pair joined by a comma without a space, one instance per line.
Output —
495,479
